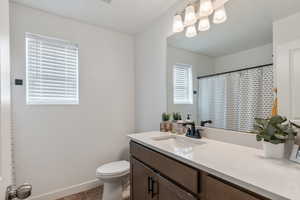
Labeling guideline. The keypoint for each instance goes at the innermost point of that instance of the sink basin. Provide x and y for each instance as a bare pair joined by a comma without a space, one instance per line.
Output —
177,141
180,145
165,137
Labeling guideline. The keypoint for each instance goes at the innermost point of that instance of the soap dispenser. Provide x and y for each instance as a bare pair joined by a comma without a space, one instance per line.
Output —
188,118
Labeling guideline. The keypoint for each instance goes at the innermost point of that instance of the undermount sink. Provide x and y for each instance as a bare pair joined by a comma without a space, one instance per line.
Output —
180,145
165,137
177,141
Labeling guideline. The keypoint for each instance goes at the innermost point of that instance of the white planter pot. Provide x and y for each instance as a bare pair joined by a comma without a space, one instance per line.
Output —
273,150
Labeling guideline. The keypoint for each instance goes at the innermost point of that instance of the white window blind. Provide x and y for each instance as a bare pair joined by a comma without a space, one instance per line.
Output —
183,84
51,71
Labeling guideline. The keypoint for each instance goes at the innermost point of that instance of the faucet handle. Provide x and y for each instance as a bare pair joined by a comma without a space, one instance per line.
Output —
198,133
202,123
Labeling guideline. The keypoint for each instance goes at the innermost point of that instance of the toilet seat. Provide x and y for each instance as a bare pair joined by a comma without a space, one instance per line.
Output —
113,169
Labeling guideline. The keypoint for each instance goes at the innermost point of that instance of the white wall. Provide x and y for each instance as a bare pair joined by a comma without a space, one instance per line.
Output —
249,58
150,72
284,31
201,65
61,146
5,100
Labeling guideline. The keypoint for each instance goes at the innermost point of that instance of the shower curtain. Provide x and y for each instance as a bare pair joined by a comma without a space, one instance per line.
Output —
233,100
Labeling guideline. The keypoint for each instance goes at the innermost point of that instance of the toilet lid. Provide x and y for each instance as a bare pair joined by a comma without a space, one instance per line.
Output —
114,168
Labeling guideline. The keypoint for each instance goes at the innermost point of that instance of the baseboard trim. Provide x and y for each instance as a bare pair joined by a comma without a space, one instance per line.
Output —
56,194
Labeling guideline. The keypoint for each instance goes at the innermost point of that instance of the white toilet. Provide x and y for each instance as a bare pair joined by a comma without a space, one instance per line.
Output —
112,175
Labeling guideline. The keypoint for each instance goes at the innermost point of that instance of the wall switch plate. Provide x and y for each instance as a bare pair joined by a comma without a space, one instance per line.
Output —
18,82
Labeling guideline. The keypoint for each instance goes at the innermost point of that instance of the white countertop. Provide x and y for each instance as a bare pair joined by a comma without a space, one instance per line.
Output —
244,166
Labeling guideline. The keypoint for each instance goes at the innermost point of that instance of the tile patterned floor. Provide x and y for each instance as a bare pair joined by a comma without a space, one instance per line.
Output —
93,194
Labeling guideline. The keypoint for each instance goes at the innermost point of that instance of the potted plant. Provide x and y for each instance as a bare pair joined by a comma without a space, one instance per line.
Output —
175,126
176,116
165,125
274,132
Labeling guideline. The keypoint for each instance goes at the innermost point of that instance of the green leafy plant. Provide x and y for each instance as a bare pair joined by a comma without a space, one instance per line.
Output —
177,116
166,117
275,130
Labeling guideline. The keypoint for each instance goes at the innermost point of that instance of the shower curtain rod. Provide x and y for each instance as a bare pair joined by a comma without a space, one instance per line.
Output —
211,75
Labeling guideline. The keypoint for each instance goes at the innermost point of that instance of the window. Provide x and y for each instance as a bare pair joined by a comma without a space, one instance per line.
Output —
183,84
51,71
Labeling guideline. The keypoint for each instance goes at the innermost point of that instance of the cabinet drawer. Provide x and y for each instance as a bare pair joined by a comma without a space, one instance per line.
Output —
176,171
219,189
168,190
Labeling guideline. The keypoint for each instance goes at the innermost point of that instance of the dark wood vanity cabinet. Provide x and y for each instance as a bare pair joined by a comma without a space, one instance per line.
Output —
155,176
141,177
149,185
180,173
216,188
169,191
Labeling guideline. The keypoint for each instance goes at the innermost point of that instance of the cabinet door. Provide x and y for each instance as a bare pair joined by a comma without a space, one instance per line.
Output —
169,191
179,173
142,179
218,190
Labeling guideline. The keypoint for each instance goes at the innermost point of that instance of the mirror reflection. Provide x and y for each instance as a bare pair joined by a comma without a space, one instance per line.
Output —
223,76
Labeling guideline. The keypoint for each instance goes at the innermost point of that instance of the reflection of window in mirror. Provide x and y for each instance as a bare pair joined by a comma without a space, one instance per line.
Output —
182,84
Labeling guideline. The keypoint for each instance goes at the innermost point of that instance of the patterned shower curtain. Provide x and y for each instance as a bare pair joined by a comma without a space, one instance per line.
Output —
233,100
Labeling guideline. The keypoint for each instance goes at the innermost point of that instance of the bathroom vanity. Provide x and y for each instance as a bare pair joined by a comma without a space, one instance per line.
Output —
171,167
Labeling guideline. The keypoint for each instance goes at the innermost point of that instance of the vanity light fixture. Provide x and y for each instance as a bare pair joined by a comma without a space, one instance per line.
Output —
206,8
204,24
190,15
191,31
220,15
178,24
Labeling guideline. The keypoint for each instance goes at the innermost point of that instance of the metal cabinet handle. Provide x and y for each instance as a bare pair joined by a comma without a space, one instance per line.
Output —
150,186
153,193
